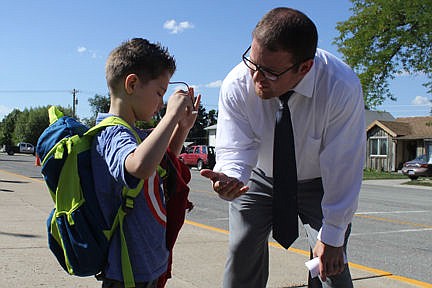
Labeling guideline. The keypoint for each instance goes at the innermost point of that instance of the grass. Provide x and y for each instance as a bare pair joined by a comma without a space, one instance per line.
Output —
422,181
369,174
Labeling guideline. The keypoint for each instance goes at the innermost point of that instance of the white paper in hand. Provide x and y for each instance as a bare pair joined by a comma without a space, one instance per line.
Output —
313,266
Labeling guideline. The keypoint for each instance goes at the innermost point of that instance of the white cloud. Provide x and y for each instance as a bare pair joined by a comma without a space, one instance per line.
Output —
214,84
421,100
84,51
81,49
175,27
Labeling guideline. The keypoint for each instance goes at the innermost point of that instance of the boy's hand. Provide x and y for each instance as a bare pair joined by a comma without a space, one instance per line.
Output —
191,115
228,188
181,105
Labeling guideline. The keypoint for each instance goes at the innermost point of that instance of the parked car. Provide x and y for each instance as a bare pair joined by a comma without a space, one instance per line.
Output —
22,147
200,156
420,166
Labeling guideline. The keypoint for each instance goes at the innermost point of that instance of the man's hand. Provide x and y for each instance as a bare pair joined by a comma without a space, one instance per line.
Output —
228,188
331,259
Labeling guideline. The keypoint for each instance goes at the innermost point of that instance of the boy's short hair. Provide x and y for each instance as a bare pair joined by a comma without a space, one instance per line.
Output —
288,30
138,56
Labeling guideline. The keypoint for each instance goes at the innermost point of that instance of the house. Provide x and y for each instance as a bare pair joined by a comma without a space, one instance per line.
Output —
211,134
371,116
391,143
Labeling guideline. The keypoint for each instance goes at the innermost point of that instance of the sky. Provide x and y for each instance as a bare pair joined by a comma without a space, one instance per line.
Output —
49,48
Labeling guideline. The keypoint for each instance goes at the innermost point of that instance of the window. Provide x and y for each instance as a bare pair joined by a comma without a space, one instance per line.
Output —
378,146
428,145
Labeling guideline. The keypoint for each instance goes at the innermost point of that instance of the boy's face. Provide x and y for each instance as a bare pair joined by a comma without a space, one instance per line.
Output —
147,98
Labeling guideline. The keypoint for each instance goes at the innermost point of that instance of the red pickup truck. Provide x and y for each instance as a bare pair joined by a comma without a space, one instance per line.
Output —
200,156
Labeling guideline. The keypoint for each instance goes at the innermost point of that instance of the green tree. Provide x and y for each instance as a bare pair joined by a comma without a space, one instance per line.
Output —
197,134
385,38
212,117
32,122
7,128
26,126
30,125
21,130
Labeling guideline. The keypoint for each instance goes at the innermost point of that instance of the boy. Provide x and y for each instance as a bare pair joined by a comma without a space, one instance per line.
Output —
138,73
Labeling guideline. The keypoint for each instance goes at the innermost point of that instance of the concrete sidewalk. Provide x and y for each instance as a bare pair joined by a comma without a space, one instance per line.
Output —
199,254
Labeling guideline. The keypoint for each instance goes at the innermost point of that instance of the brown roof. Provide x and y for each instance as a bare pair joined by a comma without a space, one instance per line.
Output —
407,127
420,127
399,128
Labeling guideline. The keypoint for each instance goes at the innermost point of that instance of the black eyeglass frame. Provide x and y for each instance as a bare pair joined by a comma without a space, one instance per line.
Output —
180,82
187,87
267,74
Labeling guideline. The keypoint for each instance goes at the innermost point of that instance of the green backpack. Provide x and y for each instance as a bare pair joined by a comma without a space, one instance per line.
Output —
76,232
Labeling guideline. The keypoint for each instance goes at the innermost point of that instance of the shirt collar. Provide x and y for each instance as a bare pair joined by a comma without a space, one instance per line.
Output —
101,116
306,86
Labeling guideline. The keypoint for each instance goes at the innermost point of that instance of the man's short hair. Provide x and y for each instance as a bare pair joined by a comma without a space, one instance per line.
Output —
138,56
289,30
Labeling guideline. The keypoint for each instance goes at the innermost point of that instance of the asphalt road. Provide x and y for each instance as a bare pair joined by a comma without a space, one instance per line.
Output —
392,229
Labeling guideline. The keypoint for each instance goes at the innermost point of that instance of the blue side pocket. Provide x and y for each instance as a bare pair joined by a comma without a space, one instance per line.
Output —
85,253
53,245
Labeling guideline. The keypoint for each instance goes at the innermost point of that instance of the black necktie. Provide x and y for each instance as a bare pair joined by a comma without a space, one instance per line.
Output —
285,221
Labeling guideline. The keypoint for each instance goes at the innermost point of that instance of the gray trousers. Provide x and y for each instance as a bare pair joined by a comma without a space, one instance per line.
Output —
250,222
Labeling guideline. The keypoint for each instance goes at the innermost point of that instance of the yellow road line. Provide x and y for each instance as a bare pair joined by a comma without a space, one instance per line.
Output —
22,176
393,221
391,276
374,271
196,224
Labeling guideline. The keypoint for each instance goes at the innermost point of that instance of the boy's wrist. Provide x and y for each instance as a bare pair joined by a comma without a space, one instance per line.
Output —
184,126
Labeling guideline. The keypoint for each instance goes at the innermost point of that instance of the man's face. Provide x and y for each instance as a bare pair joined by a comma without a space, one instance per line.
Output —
276,63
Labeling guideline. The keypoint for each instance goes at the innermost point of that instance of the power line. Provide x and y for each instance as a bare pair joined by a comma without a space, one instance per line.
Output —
74,93
50,91
35,91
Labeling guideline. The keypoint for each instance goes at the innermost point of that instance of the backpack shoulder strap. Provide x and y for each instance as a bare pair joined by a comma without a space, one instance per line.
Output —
112,121
128,196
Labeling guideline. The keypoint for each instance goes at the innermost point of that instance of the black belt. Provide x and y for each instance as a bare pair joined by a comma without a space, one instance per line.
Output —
269,180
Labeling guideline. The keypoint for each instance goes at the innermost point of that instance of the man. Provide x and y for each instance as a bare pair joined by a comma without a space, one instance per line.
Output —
327,114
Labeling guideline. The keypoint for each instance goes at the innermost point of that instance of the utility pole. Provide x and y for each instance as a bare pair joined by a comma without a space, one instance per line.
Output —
74,102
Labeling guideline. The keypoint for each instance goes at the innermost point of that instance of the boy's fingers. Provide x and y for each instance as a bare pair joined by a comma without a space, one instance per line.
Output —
197,101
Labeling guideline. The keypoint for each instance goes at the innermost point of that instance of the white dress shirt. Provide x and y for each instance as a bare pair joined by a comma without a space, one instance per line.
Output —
327,113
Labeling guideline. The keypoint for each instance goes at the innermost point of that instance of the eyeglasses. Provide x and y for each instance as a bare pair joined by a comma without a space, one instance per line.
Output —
267,74
187,89
181,83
